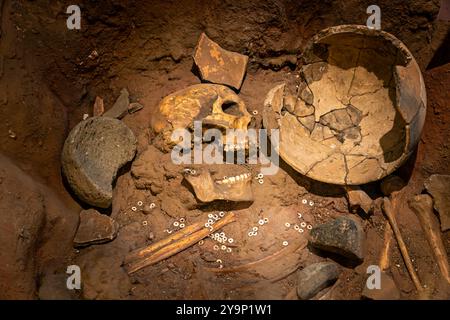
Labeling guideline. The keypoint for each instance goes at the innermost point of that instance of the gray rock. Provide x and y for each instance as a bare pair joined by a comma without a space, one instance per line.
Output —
93,153
120,107
391,184
343,236
95,228
315,278
438,185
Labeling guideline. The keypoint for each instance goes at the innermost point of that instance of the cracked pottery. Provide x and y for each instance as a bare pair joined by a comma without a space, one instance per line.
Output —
356,111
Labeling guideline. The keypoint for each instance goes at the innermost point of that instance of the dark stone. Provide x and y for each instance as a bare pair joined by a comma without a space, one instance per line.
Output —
315,278
343,236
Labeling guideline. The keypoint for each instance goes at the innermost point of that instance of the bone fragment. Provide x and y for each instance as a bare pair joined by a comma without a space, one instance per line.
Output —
388,209
174,247
384,256
422,205
142,252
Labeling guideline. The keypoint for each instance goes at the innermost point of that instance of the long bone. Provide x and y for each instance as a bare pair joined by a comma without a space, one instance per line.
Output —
173,248
422,205
388,208
142,252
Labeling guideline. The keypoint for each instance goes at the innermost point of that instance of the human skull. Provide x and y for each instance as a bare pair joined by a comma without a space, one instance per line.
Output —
216,106
358,107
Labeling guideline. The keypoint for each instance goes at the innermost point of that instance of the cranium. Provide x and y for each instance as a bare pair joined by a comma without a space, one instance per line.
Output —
358,109
210,103
208,188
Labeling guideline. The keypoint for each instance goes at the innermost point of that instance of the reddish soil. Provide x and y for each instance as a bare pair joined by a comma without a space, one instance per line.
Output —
49,79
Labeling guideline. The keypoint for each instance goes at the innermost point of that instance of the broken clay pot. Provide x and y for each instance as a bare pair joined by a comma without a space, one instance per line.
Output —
357,111
93,153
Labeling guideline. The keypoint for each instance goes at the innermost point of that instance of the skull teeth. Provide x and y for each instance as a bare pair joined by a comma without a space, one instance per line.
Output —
233,147
239,178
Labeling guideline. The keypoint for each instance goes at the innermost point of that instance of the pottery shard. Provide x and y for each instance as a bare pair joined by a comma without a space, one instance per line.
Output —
357,198
315,278
134,107
218,65
95,228
93,153
120,107
438,185
343,236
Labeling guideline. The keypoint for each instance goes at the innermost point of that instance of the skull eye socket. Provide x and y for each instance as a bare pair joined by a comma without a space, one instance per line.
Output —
232,108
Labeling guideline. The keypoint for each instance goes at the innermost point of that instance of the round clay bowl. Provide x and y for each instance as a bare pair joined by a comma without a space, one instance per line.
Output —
356,111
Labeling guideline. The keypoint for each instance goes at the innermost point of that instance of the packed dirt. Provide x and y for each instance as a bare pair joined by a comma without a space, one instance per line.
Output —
50,77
